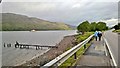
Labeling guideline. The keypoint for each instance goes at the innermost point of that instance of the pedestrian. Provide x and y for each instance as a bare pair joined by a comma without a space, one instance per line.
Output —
4,44
96,35
99,35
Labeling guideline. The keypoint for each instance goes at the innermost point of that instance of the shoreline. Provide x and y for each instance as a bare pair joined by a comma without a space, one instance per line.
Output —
32,58
50,54
36,30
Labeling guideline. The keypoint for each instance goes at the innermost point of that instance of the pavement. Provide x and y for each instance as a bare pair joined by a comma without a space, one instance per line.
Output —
94,56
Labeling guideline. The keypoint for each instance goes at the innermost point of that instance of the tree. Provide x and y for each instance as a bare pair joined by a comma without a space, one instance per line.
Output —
116,27
101,26
93,26
84,26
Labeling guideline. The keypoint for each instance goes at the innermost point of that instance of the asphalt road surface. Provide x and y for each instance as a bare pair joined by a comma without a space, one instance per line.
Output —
112,39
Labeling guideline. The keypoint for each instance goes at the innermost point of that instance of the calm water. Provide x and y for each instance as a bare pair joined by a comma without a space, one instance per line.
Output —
12,56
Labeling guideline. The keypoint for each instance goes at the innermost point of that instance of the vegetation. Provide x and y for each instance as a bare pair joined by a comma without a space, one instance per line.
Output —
71,61
80,38
88,27
84,27
16,22
117,28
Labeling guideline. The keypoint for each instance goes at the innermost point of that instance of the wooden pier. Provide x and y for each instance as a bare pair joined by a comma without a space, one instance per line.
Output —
26,46
7,45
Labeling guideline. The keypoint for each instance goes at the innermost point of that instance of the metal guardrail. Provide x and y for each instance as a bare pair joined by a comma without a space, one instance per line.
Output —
63,57
111,54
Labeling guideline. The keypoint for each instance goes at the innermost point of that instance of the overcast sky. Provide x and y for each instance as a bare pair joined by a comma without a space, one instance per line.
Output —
70,12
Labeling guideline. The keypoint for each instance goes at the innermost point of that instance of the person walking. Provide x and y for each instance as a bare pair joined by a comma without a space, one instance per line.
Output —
96,35
99,35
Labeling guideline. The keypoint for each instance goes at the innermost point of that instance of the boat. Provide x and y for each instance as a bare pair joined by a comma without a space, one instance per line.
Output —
33,30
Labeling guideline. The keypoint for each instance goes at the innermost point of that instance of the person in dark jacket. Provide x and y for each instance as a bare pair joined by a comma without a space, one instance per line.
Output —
99,35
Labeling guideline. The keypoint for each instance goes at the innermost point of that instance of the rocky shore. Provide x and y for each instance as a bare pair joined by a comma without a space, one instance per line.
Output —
66,42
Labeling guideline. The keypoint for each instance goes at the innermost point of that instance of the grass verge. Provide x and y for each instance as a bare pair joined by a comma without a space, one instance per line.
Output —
117,31
80,38
71,61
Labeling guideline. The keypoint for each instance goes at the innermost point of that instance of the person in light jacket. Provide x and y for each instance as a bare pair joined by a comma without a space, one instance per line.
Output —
96,35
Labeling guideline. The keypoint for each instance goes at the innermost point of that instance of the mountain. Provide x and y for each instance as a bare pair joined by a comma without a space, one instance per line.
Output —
71,26
17,22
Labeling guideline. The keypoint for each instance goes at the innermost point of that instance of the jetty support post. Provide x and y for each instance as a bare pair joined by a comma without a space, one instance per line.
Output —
21,46
4,44
27,47
9,45
16,44
41,48
36,47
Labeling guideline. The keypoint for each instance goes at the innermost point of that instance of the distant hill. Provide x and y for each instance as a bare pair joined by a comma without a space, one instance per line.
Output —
17,22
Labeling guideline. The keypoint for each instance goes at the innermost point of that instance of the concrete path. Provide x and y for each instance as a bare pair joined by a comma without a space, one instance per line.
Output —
94,56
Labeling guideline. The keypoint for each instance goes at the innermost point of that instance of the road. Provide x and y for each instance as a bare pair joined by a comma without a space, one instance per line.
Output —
112,39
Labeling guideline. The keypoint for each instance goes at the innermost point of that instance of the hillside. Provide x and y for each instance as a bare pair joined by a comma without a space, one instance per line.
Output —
16,22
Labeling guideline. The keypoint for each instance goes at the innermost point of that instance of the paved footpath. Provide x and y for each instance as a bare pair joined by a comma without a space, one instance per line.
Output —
94,56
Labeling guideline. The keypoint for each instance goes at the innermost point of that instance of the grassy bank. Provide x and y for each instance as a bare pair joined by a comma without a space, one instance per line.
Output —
117,31
79,38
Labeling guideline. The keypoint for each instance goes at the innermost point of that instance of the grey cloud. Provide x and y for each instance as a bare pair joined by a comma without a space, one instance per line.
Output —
60,0
64,11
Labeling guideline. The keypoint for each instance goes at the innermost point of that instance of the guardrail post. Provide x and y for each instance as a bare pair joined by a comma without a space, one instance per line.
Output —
75,57
85,46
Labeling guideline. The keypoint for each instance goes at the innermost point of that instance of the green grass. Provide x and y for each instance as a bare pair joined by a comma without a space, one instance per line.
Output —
71,61
68,48
80,38
116,30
